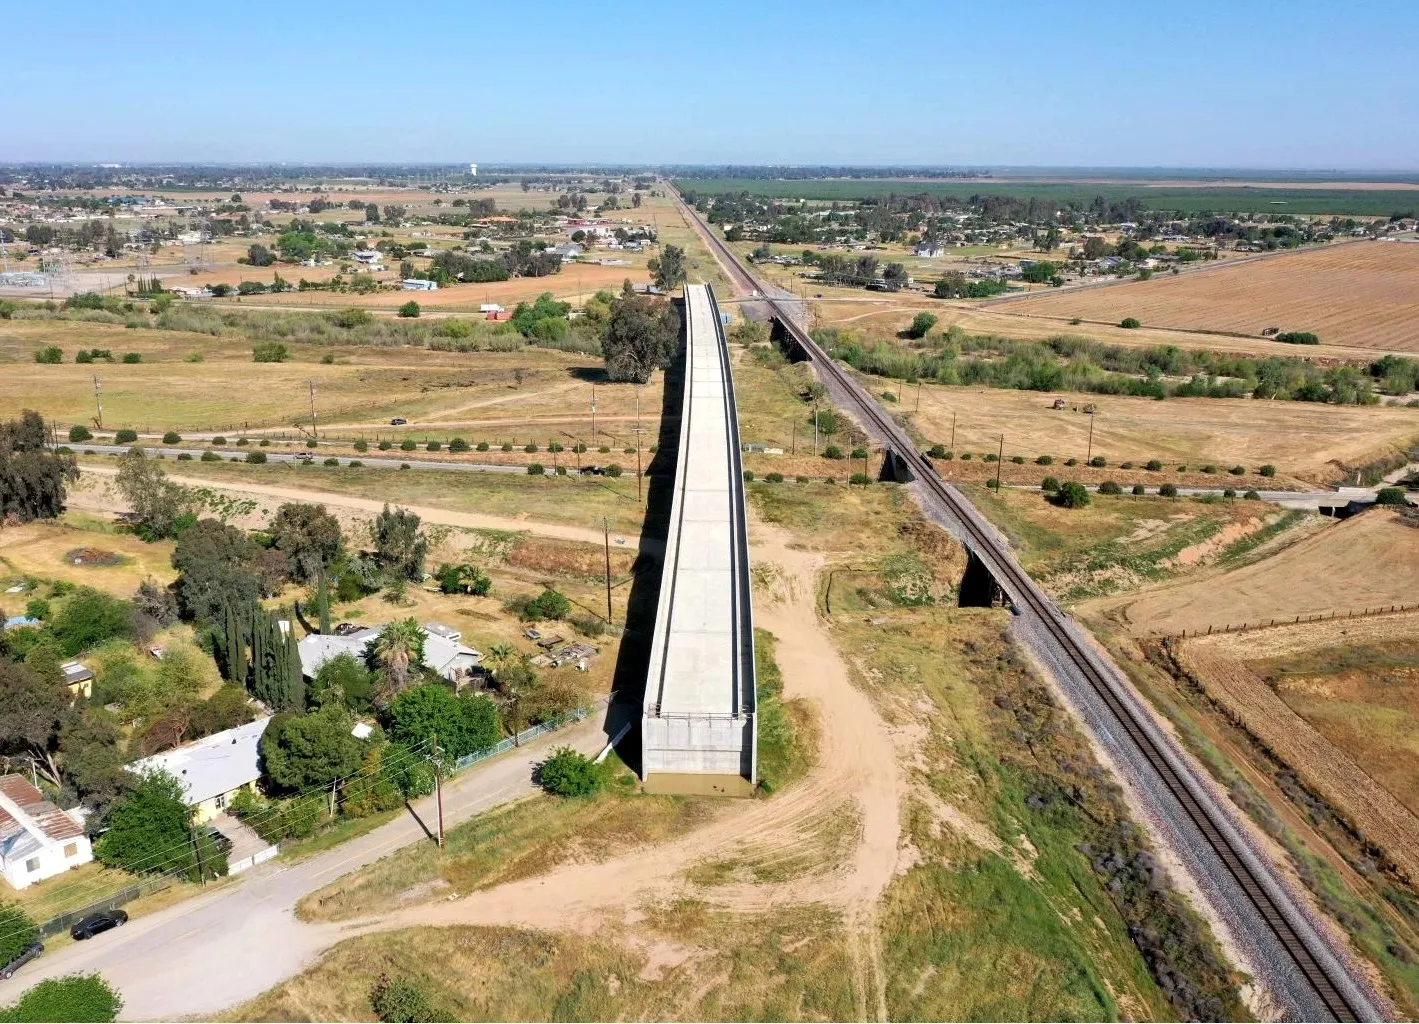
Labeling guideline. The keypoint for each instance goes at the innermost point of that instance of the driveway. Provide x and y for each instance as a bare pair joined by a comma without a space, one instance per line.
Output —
205,954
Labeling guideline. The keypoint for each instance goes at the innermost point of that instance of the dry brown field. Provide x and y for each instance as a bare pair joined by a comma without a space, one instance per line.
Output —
1364,295
1369,561
1343,781
437,392
1304,440
38,550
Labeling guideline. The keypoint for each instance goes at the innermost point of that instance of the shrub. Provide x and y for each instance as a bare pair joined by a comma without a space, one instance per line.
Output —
580,448
362,445
482,446
1182,468
1098,462
210,456
569,772
966,456
859,453
403,465
547,606
132,357
332,461
1298,338
832,451
269,352
1153,465
992,484
410,310
243,441
1168,491
310,442
1267,470
605,449
774,478
614,470
748,476
1130,322
400,1001
74,997
256,458
458,445
1237,470
921,324
185,456
1209,469
1019,460
385,446
1072,495
1045,460
172,437
219,439
556,446
50,354
802,479
990,457
1125,465
1139,489
125,436
1229,493
407,445
1049,485
936,451
265,442
1252,496
1071,462
860,479
17,931
535,469
355,464
530,449
1391,496
507,446
194,357
79,432
1110,487
433,446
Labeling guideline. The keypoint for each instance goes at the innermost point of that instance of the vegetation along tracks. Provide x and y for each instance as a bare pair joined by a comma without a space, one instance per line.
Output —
1328,984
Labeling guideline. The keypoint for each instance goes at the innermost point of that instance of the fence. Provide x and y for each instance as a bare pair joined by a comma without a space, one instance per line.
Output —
526,736
1393,609
64,922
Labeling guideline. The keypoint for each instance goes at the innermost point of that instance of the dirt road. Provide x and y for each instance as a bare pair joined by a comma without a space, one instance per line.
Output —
856,776
98,500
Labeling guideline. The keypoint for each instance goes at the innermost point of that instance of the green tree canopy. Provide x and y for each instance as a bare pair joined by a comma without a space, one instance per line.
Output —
569,772
17,932
342,680
668,268
641,337
302,751
74,997
399,646
32,478
149,829
464,724
309,537
88,618
400,546
218,563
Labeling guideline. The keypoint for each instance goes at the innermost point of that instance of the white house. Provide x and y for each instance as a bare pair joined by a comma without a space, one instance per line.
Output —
214,769
37,839
929,250
417,284
444,650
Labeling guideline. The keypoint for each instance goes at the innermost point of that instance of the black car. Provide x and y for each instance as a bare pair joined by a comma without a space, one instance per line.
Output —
94,924
33,950
398,421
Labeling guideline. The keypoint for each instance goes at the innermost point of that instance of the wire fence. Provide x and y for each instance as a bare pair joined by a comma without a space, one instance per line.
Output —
112,901
1354,613
525,736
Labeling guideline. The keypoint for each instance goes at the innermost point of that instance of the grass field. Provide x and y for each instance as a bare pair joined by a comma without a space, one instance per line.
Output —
363,388
38,550
1374,202
1304,440
1369,561
1360,295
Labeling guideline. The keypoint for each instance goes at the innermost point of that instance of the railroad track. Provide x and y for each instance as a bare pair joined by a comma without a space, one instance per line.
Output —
1311,957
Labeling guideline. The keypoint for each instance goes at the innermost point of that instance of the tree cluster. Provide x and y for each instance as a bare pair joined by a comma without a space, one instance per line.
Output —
641,337
32,478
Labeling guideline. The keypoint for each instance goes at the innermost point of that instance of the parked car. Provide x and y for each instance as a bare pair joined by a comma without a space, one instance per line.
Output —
304,457
96,924
33,950
592,471
398,421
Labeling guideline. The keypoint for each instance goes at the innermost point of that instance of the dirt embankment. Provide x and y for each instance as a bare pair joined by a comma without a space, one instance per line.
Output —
1214,664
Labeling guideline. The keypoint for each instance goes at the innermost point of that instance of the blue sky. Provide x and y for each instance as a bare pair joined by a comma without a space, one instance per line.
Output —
1298,84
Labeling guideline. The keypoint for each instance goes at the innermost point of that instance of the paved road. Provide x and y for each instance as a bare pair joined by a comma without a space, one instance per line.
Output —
206,954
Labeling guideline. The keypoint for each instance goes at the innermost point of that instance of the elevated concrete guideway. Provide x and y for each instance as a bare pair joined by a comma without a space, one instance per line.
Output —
699,732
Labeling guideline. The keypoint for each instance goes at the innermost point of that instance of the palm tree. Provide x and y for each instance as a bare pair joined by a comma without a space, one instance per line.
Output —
399,645
500,656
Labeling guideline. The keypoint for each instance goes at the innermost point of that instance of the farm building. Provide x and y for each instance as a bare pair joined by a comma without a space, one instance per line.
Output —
416,284
444,650
37,839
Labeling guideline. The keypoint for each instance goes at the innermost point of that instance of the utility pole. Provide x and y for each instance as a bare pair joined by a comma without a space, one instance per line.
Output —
815,429
313,431
1090,455
197,852
999,460
438,785
593,414
606,536
953,431
918,396
98,400
793,437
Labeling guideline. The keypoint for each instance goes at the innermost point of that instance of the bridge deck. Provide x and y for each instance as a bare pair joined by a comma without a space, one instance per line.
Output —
700,699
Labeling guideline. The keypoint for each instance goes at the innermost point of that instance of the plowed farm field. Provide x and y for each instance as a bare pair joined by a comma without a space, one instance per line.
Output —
1364,295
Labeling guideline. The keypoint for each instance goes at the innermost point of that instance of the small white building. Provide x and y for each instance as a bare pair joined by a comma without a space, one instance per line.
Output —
37,839
490,307
418,284
214,769
929,250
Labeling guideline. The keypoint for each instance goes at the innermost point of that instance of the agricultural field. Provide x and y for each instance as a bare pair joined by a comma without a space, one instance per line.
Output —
358,392
1305,441
1360,295
1197,198
1368,561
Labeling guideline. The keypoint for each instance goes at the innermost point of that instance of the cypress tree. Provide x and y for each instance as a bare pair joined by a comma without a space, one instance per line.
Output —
295,678
260,679
322,598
